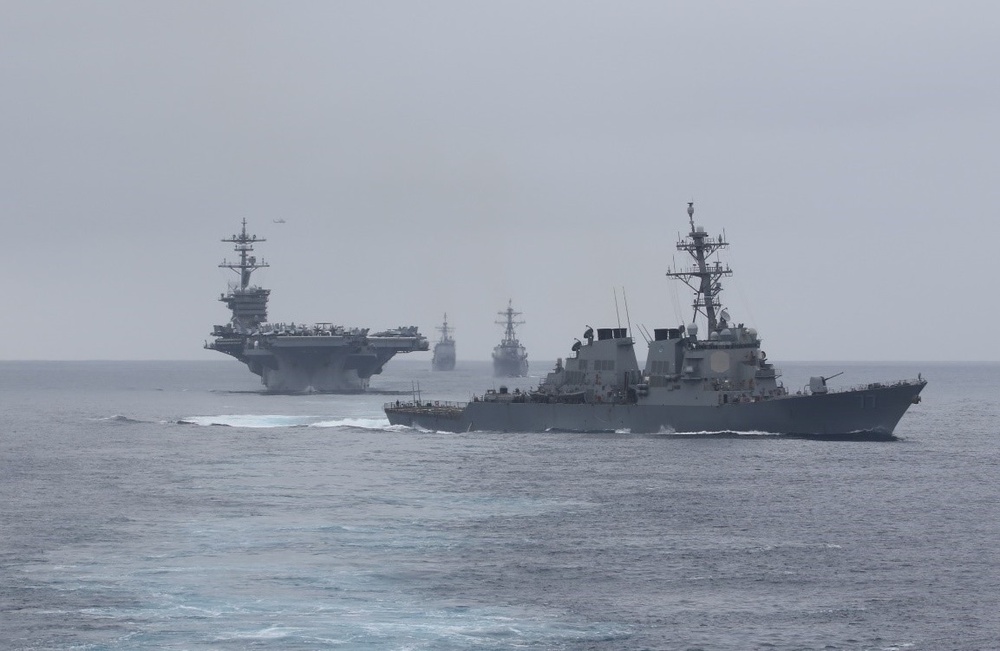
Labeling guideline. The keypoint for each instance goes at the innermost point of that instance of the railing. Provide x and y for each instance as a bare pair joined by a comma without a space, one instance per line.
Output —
872,386
720,344
425,404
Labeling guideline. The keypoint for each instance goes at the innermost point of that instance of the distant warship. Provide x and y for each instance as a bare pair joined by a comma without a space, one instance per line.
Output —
292,358
444,349
509,357
722,383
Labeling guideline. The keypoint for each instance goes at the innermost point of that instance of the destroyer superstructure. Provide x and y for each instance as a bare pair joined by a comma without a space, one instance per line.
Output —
290,357
720,383
510,359
444,349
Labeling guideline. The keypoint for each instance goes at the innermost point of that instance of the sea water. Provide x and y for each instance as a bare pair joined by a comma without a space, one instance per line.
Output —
173,505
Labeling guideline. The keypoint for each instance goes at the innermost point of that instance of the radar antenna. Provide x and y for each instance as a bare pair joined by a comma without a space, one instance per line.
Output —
445,330
703,277
248,263
509,323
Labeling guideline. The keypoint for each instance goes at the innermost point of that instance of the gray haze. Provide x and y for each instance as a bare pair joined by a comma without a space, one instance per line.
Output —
446,156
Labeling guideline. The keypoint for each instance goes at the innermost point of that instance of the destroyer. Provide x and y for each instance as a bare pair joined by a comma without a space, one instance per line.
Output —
292,358
720,383
444,349
509,357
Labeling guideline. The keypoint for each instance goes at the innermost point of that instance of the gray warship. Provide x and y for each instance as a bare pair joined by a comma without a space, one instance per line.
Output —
510,359
444,349
297,358
722,382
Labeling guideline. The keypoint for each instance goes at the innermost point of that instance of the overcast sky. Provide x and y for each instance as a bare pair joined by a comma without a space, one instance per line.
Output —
432,157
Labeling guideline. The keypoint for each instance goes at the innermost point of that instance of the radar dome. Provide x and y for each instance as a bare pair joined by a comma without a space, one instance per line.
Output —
692,330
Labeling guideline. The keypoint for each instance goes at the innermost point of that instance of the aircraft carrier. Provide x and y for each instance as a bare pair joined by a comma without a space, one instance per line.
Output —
299,358
721,382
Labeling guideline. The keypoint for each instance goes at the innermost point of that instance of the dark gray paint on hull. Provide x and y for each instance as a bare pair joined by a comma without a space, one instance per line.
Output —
870,414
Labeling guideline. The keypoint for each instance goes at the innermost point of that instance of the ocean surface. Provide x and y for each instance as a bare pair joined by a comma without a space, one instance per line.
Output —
172,505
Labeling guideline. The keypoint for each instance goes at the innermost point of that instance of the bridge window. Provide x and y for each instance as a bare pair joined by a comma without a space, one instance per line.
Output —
659,367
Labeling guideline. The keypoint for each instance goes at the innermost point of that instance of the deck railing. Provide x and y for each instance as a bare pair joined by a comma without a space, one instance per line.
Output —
871,386
425,404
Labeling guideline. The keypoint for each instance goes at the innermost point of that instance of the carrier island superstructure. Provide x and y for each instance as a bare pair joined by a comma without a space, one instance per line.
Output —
295,358
718,382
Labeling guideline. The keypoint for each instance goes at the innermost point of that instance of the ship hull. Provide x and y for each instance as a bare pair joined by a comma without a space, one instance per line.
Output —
870,414
509,367
317,364
444,357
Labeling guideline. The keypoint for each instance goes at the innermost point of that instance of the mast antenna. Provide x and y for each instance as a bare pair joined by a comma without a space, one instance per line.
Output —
628,319
644,331
704,277
248,263
509,322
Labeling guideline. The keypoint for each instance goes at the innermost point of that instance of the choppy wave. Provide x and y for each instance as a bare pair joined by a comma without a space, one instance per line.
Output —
248,420
715,433
360,423
267,421
270,633
119,418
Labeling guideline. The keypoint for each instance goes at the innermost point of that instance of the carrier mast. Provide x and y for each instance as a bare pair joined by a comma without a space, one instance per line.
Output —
707,286
248,263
